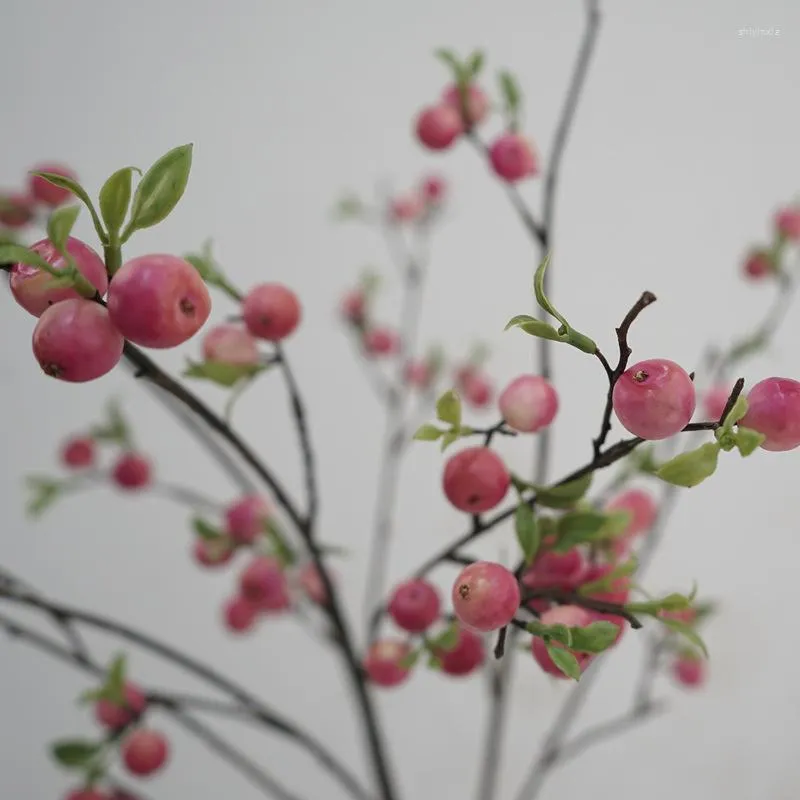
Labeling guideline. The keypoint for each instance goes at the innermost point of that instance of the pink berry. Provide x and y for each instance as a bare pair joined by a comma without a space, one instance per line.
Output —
774,410
263,583
312,585
382,663
715,400
641,508
381,342
433,189
239,614
144,752
466,656
475,480
213,552
75,341
246,518
132,471
16,210
477,390
528,404
485,596
228,344
78,453
406,209
438,126
689,672
87,794
513,158
158,301
654,399
354,306
476,107
271,311
787,223
758,264
415,605
418,374
32,288
48,193
553,570
114,716
572,617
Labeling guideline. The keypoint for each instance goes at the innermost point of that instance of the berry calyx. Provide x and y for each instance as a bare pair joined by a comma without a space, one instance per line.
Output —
271,311
78,453
382,662
437,127
774,410
485,596
414,605
132,471
529,403
475,480
513,158
144,752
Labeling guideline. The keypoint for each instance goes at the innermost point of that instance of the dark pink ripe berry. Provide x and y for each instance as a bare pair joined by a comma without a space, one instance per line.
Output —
144,752
78,453
689,672
466,656
406,209
485,596
113,716
758,264
551,570
354,306
239,614
16,210
641,508
415,605
158,301
654,399
213,552
263,583
271,311
246,518
477,390
528,404
475,480
132,471
75,341
774,410
714,401
572,617
787,223
382,663
476,107
87,794
513,157
32,288
418,374
433,189
312,585
227,344
438,126
47,193
381,342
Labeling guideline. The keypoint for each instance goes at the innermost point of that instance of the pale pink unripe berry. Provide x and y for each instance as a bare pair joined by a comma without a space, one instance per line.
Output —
158,301
438,126
228,344
572,617
406,209
382,662
381,342
113,716
354,306
528,404
553,570
434,188
689,672
239,614
418,374
477,390
415,605
87,794
132,471
312,584
16,210
774,410
466,656
654,399
475,480
78,453
787,223
145,752
686,615
513,158
263,583
271,311
47,193
758,264
213,552
32,287
246,518
641,508
715,400
476,107
485,596
75,341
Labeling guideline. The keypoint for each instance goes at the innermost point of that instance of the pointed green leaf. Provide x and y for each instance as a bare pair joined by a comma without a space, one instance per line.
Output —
448,639
541,297
206,530
595,637
692,468
17,254
687,631
605,584
578,527
115,197
428,433
75,188
564,496
409,660
223,374
75,752
747,440
581,341
44,492
115,682
736,413
448,439
565,661
449,58
60,225
512,96
448,408
475,63
527,531
533,327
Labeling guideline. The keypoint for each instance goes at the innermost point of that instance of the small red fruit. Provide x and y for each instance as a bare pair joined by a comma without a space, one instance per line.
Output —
78,453
485,596
132,471
415,605
144,752
475,480
438,126
271,311
382,663
48,193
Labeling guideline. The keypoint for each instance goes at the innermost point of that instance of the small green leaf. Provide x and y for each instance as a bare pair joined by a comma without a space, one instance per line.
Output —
75,188
44,492
449,58
578,527
606,583
595,637
692,468
747,440
160,189
115,197
17,254
448,408
281,549
475,63
114,689
223,374
736,413
527,531
448,639
559,633
205,268
116,429
687,631
348,207
409,660
564,496
75,752
581,341
533,327
434,662
60,225
206,530
565,661
428,433
512,96
449,437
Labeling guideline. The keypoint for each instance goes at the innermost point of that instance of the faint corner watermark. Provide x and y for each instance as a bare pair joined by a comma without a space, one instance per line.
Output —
759,33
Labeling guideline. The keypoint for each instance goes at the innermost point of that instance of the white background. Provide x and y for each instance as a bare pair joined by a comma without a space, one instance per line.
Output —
685,143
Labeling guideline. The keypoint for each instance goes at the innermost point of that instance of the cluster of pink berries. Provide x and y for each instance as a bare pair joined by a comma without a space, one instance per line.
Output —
762,262
130,471
19,208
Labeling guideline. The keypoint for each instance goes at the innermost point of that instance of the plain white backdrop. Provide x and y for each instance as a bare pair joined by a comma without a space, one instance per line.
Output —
685,142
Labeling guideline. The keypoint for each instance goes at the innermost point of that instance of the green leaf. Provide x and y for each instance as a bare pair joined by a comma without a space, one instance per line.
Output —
577,527
409,660
223,374
75,752
206,530
581,341
114,689
564,496
559,633
448,408
595,637
60,225
527,531
44,492
115,430
348,207
449,437
606,583
17,254
687,631
747,440
115,197
281,549
160,189
565,661
736,413
449,58
534,327
475,63
692,468
427,433
448,639
75,188
672,602
512,96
